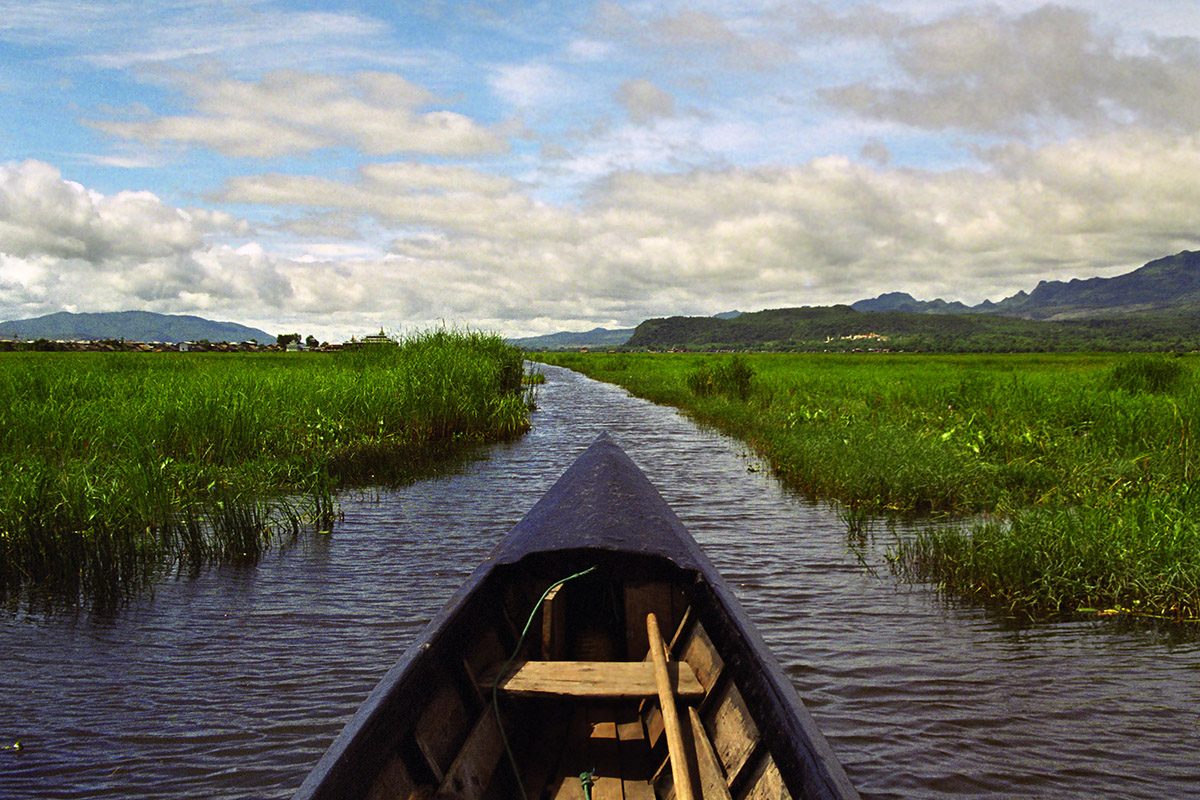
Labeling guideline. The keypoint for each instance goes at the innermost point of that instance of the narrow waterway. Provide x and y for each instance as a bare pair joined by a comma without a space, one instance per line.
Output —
230,685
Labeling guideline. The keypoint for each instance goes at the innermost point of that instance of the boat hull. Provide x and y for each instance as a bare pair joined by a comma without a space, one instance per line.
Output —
451,717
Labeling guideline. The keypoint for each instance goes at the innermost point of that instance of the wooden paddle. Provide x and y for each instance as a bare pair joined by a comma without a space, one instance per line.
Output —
666,700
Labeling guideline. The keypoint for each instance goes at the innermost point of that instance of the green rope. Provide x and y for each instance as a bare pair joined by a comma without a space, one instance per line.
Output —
496,686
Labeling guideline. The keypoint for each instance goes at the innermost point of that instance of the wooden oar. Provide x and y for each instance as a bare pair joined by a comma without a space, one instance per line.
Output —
666,699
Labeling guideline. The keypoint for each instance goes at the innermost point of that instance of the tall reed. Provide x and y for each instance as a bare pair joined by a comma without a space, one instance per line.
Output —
1087,464
115,467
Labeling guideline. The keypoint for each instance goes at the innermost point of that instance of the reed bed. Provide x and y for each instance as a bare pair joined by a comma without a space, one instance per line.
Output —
116,467
1078,472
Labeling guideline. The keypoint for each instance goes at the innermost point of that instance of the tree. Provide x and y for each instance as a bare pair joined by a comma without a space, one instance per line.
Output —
311,342
284,339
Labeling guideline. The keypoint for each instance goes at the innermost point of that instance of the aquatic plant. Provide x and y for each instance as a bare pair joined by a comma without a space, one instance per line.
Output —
1082,462
1148,373
1141,558
115,467
730,377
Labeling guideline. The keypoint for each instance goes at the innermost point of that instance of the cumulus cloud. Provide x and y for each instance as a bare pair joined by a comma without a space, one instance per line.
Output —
465,245
814,20
982,70
403,195
876,151
64,245
474,246
830,230
689,26
289,112
643,101
687,34
42,214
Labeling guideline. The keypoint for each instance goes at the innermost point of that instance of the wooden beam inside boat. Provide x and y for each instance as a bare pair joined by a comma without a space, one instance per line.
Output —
594,679
554,623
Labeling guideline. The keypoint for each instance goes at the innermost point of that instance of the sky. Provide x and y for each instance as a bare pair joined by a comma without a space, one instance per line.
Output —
334,168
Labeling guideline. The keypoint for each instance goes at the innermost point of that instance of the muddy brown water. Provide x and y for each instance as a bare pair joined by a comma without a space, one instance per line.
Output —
231,685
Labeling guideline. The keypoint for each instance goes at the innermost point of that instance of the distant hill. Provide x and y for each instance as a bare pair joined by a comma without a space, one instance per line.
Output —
596,337
567,340
841,328
1166,285
139,326
903,301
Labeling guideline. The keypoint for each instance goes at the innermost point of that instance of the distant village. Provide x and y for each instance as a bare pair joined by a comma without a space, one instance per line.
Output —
288,343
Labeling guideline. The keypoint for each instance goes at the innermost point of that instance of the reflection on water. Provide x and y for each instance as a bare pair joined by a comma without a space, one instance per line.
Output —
232,684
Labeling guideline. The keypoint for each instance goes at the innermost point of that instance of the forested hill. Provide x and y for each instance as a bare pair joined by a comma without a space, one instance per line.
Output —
841,328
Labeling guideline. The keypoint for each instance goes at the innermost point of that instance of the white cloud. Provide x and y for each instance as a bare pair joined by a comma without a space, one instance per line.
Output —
125,34
732,38
985,71
408,177
289,112
403,196
243,32
63,244
126,161
41,214
589,50
472,247
644,101
827,231
529,85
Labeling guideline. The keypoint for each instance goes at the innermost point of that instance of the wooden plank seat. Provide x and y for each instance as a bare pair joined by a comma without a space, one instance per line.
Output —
592,679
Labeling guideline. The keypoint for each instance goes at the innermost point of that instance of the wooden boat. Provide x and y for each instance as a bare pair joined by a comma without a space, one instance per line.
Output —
639,677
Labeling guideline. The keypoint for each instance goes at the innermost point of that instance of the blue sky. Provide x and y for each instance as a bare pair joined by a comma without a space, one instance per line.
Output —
523,167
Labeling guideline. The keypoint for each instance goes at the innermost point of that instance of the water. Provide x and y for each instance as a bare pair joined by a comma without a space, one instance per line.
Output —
231,685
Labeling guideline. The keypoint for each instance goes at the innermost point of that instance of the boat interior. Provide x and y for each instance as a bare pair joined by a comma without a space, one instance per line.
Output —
558,691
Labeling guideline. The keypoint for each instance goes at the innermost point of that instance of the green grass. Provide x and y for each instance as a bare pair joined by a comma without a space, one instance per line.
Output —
1086,464
115,467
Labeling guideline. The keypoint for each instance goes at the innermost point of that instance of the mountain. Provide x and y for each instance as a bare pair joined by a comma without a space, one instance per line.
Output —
138,326
902,301
1166,285
568,340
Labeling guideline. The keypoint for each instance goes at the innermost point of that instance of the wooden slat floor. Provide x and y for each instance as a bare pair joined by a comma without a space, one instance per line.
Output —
607,741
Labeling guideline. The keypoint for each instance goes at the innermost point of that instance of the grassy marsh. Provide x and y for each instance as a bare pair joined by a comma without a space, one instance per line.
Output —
1083,467
116,467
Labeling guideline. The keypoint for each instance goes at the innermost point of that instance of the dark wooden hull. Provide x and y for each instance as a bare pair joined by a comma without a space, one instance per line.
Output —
430,725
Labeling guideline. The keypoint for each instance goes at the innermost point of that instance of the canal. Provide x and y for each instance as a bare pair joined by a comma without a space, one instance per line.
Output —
231,684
